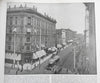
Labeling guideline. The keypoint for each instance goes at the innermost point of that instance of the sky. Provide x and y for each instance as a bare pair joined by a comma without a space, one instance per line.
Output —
67,15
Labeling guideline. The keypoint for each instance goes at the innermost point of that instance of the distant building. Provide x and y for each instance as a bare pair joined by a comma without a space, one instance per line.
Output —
60,36
70,35
64,35
32,30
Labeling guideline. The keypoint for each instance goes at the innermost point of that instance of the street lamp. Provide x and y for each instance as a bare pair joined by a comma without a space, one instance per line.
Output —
74,48
14,31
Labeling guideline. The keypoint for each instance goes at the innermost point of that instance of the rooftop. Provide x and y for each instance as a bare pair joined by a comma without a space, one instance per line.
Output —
29,10
66,30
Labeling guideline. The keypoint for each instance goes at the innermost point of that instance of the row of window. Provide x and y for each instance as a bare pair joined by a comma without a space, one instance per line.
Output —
38,22
29,22
27,39
11,20
27,48
36,32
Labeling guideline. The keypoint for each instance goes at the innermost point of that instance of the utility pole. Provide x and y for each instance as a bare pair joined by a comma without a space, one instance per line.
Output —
35,31
14,46
74,58
40,47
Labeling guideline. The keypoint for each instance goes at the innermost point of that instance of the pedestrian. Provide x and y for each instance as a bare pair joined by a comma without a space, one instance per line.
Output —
17,67
69,71
66,71
32,65
86,71
21,66
17,71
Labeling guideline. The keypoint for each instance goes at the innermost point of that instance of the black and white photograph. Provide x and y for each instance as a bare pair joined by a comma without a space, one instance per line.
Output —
50,38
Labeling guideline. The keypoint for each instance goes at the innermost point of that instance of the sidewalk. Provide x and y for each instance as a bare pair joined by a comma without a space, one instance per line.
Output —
43,63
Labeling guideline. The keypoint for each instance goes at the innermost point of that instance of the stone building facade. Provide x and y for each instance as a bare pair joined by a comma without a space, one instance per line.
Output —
68,35
32,30
90,8
87,57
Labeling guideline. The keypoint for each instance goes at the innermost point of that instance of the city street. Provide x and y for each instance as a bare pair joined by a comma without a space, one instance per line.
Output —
66,61
66,58
39,42
40,69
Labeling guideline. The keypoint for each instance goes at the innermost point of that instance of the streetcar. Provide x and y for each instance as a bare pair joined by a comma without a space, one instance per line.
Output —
52,62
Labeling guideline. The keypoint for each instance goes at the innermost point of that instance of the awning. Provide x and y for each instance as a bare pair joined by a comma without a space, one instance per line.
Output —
13,56
18,57
34,56
53,48
70,40
59,45
40,53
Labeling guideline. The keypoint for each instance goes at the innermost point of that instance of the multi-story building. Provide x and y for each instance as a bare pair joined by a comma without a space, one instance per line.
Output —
27,30
90,37
64,35
70,35
88,55
59,36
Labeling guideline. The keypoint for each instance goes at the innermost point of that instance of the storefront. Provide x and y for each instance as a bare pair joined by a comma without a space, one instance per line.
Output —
27,57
